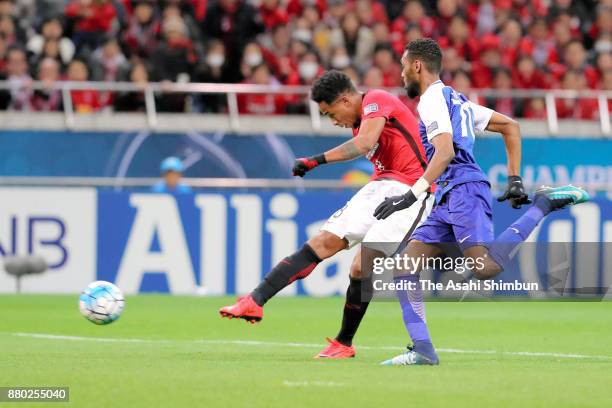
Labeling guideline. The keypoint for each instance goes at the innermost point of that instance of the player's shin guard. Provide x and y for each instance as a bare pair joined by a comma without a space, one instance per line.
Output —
413,313
296,266
504,247
358,296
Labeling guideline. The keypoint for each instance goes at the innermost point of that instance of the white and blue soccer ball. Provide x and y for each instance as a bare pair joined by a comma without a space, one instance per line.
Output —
101,302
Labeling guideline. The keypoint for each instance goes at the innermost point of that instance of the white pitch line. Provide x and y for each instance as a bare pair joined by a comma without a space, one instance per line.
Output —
312,383
300,345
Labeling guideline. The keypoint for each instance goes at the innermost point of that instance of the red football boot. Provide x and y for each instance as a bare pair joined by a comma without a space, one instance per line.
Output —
336,350
245,308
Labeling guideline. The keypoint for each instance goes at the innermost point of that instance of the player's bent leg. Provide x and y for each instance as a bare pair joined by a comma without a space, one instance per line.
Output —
485,266
546,200
326,244
296,266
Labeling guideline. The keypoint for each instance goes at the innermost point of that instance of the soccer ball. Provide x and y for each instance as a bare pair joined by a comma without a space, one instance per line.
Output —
101,302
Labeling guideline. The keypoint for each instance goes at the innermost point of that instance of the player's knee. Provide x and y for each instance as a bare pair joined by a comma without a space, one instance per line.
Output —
486,270
326,244
356,272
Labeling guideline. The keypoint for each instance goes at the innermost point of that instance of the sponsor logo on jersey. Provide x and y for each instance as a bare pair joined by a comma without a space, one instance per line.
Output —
433,126
373,107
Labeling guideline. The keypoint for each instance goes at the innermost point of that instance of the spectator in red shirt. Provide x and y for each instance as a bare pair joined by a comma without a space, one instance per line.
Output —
412,32
510,39
90,19
575,59
490,60
385,59
535,108
458,37
447,9
140,36
273,14
276,52
581,108
502,80
86,100
539,44
413,13
261,104
606,84
451,63
603,64
527,76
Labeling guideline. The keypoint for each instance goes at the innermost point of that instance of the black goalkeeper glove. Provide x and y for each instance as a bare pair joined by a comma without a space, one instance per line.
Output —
515,193
393,204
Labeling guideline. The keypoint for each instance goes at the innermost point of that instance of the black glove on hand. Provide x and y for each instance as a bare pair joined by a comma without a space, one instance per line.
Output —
393,204
515,193
304,164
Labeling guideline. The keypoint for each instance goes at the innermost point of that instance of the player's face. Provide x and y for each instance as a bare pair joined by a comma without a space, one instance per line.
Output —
410,75
341,112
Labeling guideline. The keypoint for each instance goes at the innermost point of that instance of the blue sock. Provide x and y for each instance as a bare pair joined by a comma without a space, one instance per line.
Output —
503,248
413,312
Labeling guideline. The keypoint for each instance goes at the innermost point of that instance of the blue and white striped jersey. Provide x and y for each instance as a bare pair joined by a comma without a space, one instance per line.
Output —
444,110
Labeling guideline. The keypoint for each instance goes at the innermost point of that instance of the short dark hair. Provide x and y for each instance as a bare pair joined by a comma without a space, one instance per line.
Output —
329,86
426,50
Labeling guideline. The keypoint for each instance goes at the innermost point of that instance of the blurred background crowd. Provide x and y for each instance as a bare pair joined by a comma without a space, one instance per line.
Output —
498,44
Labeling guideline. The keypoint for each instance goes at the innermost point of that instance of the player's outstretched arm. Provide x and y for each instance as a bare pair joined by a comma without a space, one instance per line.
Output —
369,133
511,132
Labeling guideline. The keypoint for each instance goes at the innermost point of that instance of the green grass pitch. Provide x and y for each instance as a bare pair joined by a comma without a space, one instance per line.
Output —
176,351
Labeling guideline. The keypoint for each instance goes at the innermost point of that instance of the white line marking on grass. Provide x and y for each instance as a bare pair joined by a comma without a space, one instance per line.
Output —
300,345
82,338
312,383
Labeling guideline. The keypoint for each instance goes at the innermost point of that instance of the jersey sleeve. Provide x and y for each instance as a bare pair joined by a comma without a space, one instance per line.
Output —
434,114
377,105
482,116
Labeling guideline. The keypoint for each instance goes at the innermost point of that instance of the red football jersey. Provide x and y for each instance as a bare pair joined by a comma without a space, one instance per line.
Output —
399,153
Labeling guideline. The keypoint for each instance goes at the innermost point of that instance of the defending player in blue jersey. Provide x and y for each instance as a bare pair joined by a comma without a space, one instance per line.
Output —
463,197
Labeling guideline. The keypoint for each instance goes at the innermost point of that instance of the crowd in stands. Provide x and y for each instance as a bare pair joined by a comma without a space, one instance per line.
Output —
498,44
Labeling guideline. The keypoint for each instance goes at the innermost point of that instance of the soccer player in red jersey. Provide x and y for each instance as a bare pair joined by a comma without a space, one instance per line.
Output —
386,132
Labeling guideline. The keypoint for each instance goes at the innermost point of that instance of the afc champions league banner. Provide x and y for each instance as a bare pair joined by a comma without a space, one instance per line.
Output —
224,242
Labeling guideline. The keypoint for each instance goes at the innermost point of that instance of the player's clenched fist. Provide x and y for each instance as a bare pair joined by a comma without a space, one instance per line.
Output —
393,204
304,164
515,192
